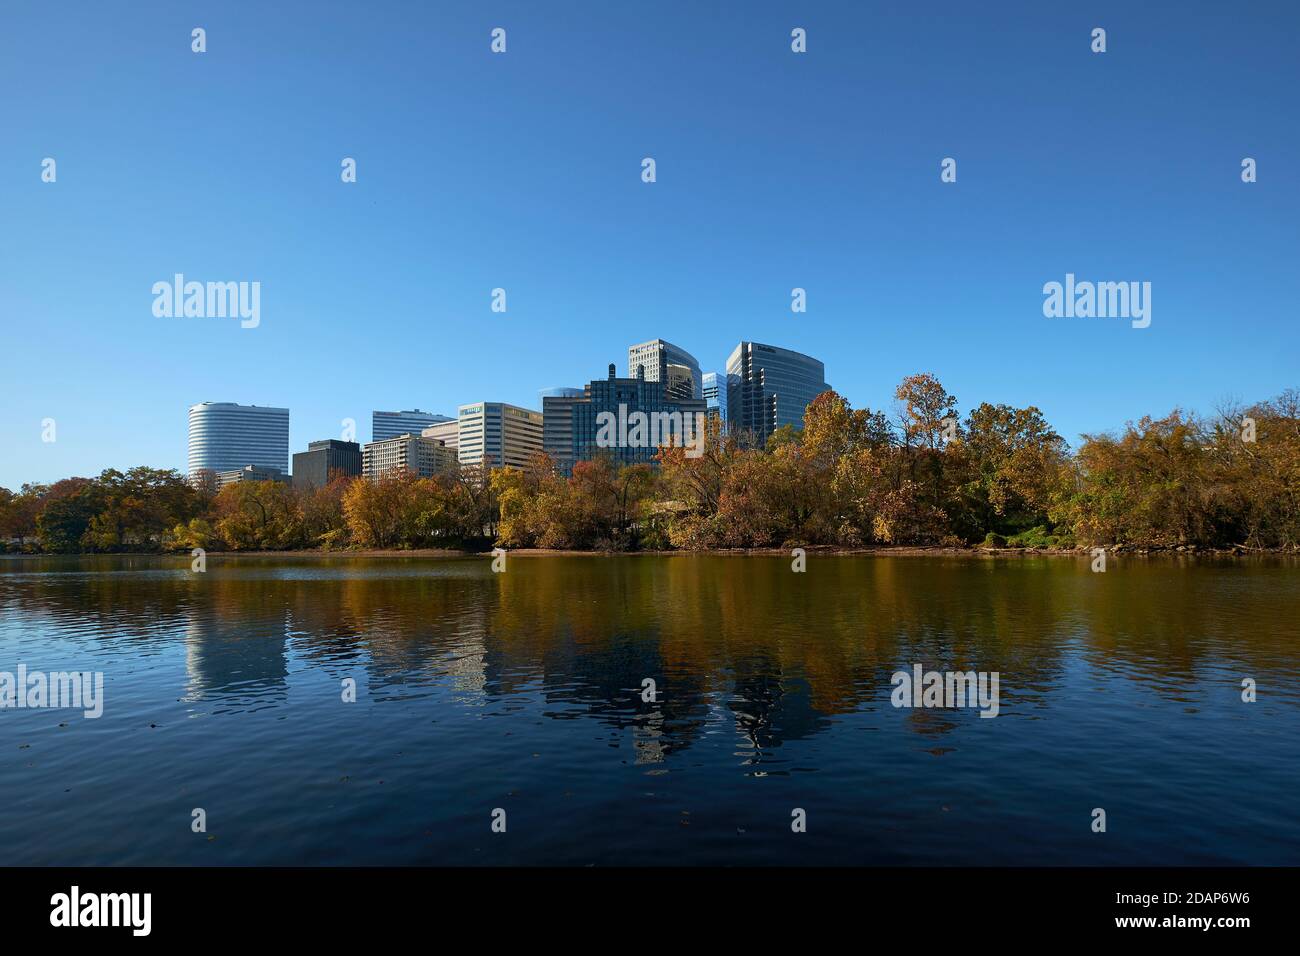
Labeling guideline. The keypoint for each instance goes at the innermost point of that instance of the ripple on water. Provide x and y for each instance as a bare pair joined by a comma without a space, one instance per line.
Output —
525,691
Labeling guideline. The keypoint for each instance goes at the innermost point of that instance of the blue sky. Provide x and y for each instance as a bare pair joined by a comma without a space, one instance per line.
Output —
522,171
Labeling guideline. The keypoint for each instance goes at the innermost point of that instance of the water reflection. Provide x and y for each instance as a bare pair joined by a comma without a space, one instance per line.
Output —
478,690
782,654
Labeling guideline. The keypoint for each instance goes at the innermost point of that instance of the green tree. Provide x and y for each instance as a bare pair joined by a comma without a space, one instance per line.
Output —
67,510
1015,462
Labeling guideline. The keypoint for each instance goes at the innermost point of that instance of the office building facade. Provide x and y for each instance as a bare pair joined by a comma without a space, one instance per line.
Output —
424,457
502,434
325,460
557,425
621,400
715,401
447,432
250,473
385,425
224,436
768,387
675,368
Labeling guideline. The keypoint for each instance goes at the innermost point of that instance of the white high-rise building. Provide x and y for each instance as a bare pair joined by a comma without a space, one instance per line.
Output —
224,436
505,434
447,432
422,456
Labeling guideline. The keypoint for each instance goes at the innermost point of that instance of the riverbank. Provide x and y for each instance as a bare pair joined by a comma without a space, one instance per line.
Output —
976,552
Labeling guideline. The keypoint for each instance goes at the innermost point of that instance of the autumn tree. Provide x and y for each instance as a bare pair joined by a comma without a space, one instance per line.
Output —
1014,462
258,515
1148,485
324,522
528,500
378,513
846,477
139,507
926,411
18,514
832,428
615,494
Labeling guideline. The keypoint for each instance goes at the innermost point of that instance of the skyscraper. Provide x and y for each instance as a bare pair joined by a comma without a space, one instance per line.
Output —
224,436
715,400
447,432
385,425
624,400
324,460
768,387
506,434
421,456
557,425
664,362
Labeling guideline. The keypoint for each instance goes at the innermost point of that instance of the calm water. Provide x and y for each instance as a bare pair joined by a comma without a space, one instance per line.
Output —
522,691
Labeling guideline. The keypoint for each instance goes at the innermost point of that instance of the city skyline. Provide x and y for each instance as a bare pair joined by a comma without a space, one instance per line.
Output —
230,440
775,172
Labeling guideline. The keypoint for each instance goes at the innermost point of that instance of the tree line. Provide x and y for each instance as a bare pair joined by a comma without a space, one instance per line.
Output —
918,476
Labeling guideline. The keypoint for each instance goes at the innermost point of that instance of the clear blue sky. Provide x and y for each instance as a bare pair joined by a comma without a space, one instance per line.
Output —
522,171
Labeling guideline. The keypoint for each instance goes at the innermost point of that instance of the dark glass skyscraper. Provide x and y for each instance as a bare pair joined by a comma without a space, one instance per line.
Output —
620,400
715,397
768,387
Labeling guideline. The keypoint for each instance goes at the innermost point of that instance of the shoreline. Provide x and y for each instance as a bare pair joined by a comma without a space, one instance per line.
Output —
820,550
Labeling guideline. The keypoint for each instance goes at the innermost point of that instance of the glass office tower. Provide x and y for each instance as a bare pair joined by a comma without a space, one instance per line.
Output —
664,362
768,387
715,401
621,398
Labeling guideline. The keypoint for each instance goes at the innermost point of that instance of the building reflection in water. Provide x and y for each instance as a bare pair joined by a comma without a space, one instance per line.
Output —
782,657
235,646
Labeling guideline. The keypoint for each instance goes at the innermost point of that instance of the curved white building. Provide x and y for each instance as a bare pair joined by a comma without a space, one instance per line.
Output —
226,437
